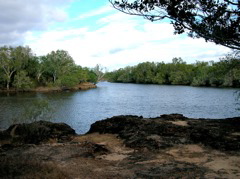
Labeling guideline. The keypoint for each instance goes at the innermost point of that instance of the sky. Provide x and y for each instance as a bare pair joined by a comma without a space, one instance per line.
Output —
93,32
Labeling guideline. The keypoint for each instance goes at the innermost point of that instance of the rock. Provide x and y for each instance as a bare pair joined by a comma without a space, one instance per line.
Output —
39,131
115,124
4,135
92,150
172,170
173,117
162,132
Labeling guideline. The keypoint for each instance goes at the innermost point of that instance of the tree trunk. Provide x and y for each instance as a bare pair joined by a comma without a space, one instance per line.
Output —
38,77
8,81
54,78
7,85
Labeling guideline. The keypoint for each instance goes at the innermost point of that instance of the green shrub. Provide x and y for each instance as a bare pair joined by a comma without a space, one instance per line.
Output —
22,81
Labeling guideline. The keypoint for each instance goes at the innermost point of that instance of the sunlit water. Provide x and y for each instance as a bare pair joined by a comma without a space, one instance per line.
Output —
82,108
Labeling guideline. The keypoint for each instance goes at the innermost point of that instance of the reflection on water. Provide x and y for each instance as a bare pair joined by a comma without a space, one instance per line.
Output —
80,109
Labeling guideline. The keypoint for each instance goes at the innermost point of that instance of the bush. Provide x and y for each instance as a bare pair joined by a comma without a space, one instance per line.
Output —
22,81
69,81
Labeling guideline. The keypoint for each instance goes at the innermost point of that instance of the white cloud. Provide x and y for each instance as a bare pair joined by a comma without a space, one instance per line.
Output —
17,17
124,40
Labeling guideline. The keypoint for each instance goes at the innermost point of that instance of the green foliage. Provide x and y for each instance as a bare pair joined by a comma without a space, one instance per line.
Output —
226,72
58,64
22,81
68,81
12,60
201,74
20,69
91,76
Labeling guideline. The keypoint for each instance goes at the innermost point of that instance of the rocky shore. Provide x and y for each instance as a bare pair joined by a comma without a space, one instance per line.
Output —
169,146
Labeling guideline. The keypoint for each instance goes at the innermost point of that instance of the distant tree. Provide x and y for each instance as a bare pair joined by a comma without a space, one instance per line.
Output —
144,72
226,72
201,74
181,73
91,76
99,70
214,20
126,75
162,74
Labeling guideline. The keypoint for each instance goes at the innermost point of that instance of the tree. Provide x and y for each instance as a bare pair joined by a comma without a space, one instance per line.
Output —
13,59
214,20
58,63
162,74
145,72
99,71
201,74
39,67
75,75
180,72
22,81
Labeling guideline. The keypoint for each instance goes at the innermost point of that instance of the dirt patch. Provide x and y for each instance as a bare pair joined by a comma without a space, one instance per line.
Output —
85,86
225,166
47,89
180,123
114,157
110,141
189,153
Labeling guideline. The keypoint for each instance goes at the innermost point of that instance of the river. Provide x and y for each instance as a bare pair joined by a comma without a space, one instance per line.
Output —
80,109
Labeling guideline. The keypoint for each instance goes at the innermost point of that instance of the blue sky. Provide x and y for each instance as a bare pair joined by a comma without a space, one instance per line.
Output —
93,33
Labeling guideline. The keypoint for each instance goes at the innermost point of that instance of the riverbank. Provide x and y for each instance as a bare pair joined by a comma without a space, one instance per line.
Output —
81,86
169,146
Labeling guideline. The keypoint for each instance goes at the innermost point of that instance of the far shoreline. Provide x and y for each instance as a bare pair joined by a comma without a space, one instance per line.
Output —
43,89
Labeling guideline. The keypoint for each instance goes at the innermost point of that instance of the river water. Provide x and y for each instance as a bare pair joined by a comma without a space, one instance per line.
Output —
82,108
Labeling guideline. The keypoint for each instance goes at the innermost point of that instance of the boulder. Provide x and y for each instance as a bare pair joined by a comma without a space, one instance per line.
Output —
40,131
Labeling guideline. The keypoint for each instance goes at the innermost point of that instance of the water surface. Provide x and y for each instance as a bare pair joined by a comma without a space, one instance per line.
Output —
82,108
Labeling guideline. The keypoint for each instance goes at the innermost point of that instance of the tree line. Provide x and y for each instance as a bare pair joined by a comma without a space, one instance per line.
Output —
225,73
21,69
